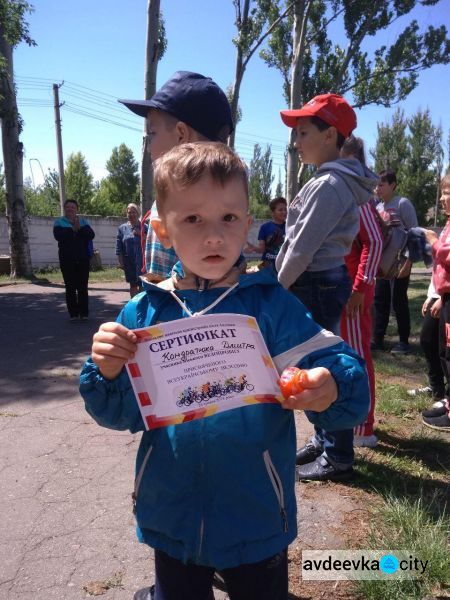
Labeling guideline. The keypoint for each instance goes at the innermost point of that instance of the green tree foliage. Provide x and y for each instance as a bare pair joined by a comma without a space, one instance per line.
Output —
14,27
391,147
311,61
253,26
120,187
384,76
123,179
43,200
279,191
413,148
79,182
260,182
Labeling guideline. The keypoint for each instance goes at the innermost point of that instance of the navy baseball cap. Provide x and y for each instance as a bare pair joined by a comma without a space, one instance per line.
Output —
194,99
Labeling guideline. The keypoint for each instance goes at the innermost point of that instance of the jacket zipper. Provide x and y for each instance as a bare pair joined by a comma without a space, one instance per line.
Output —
202,471
277,486
137,481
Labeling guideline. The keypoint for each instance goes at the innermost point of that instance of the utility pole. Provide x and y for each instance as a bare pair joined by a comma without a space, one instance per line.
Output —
62,193
152,56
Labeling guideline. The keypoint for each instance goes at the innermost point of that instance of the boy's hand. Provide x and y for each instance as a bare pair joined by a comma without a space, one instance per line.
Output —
113,345
319,393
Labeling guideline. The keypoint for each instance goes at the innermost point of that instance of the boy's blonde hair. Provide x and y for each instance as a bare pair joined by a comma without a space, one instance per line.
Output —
186,164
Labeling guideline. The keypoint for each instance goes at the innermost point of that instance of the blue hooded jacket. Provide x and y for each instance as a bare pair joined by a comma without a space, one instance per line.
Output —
219,491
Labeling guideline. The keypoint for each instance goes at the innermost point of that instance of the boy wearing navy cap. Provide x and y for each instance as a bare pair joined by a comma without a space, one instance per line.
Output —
322,222
189,107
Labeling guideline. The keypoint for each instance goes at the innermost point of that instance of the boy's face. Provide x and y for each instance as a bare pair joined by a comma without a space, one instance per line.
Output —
161,128
385,191
206,224
445,199
315,147
279,213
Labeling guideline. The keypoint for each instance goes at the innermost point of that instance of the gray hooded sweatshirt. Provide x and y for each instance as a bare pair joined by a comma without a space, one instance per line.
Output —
323,219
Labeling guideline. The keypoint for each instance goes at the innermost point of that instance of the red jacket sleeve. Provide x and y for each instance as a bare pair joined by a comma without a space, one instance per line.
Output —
371,242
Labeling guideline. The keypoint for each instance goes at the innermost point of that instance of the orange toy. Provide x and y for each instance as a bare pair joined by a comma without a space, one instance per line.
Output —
292,381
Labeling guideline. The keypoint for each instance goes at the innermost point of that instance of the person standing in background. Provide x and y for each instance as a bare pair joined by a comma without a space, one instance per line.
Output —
438,417
271,234
74,236
128,248
398,212
362,264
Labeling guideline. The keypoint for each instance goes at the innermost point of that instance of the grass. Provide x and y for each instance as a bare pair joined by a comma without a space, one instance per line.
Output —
54,275
407,473
416,527
393,399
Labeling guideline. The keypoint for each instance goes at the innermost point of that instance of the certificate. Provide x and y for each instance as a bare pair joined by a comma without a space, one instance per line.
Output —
193,368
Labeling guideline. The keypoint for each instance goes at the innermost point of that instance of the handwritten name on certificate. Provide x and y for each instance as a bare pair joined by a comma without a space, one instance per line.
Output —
193,368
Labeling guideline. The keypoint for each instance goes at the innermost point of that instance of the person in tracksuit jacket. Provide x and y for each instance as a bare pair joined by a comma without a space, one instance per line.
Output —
362,264
217,494
74,236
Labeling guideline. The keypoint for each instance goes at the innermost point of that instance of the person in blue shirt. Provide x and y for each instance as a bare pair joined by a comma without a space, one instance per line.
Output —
128,248
271,234
217,494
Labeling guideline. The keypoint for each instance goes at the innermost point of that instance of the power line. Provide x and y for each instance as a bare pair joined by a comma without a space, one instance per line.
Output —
69,108
245,140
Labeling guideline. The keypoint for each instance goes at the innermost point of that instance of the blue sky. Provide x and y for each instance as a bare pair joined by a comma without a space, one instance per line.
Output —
97,48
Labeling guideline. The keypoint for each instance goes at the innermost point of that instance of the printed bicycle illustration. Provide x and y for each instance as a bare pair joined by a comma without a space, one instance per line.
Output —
214,389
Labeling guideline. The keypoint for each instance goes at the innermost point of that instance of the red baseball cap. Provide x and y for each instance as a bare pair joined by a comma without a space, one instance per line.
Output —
331,108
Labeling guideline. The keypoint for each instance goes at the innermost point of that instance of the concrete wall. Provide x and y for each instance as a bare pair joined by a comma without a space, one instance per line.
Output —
44,248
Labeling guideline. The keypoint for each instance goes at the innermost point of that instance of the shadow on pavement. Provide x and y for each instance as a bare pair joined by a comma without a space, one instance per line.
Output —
42,350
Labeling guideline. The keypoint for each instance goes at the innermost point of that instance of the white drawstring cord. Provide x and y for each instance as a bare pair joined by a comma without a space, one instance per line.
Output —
205,310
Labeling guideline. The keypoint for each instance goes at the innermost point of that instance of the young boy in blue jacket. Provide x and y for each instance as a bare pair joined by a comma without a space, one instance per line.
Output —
218,493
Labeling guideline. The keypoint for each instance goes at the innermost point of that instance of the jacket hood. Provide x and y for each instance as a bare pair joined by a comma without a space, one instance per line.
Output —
360,179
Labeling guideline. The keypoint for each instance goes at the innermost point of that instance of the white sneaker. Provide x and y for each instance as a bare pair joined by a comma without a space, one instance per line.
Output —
365,441
439,404
420,391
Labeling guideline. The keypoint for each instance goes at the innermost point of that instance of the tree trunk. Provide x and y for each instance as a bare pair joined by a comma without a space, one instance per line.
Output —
242,24
12,158
151,67
301,15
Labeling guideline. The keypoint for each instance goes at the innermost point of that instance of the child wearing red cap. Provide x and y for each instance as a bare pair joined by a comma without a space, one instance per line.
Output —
322,222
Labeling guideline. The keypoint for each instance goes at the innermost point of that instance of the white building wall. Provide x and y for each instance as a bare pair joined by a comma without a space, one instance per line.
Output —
44,248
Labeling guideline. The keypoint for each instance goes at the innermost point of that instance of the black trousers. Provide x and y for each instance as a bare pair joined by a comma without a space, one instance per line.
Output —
430,342
395,292
76,278
264,580
444,336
